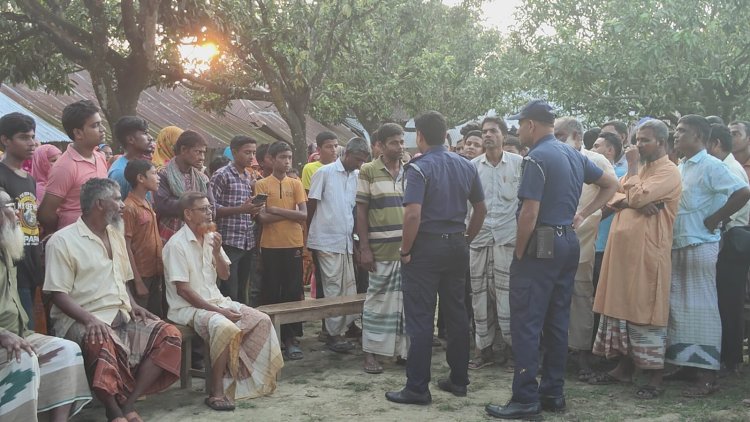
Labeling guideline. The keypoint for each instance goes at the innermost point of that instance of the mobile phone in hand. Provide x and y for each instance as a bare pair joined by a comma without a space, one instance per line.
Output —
260,199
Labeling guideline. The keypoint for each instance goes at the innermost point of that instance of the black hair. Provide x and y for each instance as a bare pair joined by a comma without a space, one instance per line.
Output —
323,137
613,141
189,139
721,133
745,124
13,123
239,141
699,123
278,147
260,154
387,130
620,127
590,136
469,127
74,115
494,119
135,168
217,163
513,141
715,120
433,127
128,125
472,133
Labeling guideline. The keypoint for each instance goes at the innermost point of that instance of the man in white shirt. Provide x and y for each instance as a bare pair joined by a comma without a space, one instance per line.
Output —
491,251
193,258
331,203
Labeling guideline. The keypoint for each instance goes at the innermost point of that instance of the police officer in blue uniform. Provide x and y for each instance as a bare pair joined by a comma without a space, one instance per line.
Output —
435,257
545,260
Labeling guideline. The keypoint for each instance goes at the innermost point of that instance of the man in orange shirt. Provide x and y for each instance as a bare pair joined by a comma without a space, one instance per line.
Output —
281,241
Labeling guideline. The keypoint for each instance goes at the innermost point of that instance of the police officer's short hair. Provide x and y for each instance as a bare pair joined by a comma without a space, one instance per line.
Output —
387,130
620,127
357,146
433,127
613,141
658,128
571,124
699,124
500,123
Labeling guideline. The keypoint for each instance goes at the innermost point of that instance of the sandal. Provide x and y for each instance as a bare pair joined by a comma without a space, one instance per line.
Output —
703,390
293,353
604,378
649,392
479,362
340,347
585,374
374,368
220,404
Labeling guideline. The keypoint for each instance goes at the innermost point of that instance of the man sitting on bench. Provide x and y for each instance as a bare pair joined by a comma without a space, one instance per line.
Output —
244,349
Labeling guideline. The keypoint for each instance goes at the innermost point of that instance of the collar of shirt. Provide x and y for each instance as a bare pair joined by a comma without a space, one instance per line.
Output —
379,164
544,139
697,158
432,149
75,156
730,158
483,159
234,170
339,165
85,231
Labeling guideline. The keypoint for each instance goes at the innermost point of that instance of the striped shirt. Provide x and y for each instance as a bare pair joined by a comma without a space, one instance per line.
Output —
384,195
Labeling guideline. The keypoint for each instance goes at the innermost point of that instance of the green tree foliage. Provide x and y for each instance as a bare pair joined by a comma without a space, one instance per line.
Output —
122,45
608,58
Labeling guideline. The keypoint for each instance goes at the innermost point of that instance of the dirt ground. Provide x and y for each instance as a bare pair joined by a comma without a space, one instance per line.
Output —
326,386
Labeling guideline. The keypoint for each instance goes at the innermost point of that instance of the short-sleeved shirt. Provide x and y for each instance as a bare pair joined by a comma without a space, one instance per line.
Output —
22,191
500,184
308,171
67,176
442,182
554,173
741,217
143,231
332,226
383,195
606,224
12,315
706,185
187,261
232,189
117,173
287,194
78,264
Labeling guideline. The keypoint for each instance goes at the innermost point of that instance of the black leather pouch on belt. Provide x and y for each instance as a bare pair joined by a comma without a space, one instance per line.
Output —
542,243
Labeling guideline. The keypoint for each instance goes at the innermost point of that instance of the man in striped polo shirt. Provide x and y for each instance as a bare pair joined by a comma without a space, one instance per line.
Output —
380,218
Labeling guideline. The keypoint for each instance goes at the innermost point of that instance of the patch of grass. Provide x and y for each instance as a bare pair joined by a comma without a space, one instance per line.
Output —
446,407
298,381
357,387
246,405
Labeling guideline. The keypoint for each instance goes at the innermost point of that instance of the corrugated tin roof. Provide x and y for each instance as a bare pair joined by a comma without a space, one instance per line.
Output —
173,107
45,132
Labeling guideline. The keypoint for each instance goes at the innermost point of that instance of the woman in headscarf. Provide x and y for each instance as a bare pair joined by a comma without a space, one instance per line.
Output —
165,141
41,162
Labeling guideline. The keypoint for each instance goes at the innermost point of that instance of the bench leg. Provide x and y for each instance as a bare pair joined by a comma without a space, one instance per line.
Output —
207,363
277,327
186,377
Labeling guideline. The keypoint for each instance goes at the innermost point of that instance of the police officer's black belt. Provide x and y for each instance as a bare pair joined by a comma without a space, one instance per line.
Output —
440,235
563,229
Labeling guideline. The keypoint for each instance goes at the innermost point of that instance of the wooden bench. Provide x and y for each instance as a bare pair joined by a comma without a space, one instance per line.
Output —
312,310
186,370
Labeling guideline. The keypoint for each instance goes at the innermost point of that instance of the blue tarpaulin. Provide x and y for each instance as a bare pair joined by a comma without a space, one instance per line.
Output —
45,132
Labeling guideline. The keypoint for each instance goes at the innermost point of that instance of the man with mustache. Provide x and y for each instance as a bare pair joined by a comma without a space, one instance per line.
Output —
128,351
44,375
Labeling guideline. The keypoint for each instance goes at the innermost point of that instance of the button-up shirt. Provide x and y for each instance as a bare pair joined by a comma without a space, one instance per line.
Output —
621,166
500,184
741,217
231,188
383,195
12,315
188,261
78,264
67,176
706,185
331,228
442,182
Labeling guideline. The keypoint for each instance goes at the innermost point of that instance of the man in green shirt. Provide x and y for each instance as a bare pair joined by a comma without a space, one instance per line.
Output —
46,373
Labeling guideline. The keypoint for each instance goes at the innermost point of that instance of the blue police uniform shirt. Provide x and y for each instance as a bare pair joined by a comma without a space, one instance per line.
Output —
553,174
445,184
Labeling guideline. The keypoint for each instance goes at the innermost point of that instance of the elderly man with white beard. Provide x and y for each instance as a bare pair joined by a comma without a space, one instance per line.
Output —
127,350
42,375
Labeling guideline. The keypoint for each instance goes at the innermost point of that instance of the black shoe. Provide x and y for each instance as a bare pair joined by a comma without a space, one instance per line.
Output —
515,410
408,397
553,403
450,387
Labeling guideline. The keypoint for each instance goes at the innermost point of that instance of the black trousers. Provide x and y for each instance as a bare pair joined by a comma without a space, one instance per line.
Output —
731,278
240,271
282,282
438,265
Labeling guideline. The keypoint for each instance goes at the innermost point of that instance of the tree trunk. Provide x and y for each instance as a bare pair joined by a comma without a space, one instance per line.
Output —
116,98
298,128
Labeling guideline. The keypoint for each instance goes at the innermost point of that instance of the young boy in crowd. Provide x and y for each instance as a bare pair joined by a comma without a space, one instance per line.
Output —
281,240
142,238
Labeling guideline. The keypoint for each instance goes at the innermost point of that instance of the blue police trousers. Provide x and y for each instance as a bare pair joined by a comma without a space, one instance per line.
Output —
540,292
438,265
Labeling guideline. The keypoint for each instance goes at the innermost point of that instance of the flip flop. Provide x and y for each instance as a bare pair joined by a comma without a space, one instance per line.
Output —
649,392
604,378
704,390
585,374
479,363
373,369
340,347
220,404
293,353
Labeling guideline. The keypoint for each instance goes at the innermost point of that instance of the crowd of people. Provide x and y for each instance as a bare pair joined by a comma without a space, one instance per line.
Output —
628,243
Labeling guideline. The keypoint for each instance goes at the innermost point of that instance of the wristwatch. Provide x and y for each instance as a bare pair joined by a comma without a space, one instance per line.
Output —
404,253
